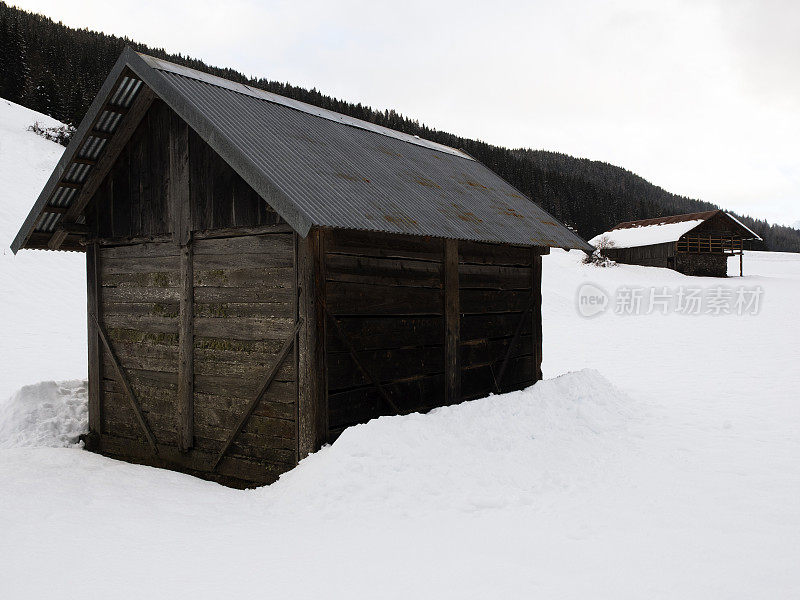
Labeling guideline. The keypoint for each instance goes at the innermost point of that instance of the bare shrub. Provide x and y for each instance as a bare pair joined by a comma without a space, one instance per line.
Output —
598,258
60,135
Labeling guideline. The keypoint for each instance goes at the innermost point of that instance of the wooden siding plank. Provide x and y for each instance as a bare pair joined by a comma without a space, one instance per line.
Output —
387,332
345,298
357,360
369,243
385,365
480,253
371,270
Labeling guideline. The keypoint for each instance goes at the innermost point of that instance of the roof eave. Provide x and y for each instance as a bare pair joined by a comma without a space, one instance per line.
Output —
578,243
71,150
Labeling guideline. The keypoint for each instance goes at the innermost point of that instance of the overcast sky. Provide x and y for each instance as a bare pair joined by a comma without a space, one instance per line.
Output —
701,98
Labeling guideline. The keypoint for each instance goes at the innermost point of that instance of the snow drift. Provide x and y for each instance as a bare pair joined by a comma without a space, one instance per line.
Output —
45,414
509,449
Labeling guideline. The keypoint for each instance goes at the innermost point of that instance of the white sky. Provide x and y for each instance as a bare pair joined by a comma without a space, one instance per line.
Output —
699,97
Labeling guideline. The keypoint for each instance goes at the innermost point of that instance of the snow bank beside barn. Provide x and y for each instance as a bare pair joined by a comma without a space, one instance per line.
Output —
46,414
504,450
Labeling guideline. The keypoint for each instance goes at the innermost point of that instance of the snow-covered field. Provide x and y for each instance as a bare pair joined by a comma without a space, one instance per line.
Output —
42,294
659,459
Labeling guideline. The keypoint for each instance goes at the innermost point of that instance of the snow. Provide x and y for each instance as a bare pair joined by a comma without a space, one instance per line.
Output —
646,235
43,294
45,414
659,459
755,235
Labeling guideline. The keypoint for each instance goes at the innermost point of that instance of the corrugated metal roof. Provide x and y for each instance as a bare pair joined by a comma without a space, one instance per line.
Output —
310,109
319,168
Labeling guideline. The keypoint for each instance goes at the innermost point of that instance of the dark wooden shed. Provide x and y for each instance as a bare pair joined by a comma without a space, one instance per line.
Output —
262,274
692,244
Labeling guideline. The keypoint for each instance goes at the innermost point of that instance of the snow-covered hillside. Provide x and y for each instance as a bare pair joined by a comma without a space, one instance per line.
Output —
659,459
42,294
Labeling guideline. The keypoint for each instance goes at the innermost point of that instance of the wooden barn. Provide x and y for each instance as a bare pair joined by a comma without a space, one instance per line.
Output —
262,273
693,244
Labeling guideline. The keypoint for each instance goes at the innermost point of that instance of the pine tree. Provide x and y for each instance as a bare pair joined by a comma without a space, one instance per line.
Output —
14,74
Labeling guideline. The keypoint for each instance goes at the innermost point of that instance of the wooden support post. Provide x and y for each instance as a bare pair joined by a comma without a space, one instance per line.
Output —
95,362
186,352
312,401
741,262
452,327
181,220
179,205
536,311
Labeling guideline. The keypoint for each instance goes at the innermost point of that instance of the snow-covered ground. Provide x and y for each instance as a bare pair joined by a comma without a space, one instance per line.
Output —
42,294
659,459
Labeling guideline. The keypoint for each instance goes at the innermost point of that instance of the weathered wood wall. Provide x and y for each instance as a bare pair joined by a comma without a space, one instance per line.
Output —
133,199
196,291
654,255
498,285
244,311
385,292
389,296
138,307
666,256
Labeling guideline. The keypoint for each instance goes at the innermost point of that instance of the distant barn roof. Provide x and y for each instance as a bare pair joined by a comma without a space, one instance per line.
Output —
663,229
315,167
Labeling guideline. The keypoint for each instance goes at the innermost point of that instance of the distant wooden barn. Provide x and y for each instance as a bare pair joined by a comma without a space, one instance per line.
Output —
263,273
693,244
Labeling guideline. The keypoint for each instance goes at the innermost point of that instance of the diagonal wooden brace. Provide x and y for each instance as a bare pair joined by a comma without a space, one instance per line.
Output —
123,379
282,354
351,349
513,343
